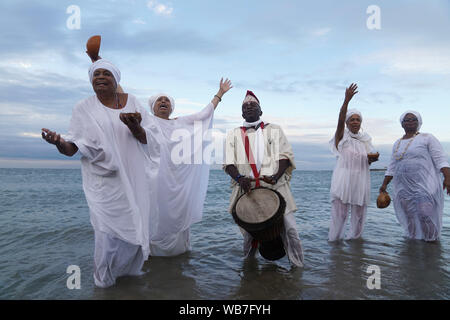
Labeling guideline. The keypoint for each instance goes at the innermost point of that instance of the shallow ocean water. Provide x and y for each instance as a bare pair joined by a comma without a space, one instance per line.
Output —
45,227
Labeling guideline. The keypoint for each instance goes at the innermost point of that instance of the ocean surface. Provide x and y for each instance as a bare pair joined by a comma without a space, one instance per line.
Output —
44,228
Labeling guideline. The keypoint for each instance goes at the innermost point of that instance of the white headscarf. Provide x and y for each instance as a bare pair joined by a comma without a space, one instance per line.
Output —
351,112
361,136
104,64
419,118
152,101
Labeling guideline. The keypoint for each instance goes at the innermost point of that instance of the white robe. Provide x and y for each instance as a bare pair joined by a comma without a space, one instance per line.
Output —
182,179
117,177
276,147
418,195
350,182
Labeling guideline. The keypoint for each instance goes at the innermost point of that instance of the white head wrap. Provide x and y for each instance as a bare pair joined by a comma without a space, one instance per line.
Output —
351,112
361,136
152,101
104,64
419,118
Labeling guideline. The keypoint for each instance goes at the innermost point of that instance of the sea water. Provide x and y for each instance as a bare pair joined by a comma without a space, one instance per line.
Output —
45,228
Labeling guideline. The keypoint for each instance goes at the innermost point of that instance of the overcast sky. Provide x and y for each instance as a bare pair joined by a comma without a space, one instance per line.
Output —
296,56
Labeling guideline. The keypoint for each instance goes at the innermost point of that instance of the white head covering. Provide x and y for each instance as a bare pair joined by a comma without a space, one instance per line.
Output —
152,101
351,112
361,136
104,64
419,118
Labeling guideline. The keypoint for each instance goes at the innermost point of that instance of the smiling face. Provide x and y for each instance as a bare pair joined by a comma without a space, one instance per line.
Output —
410,123
103,81
354,123
162,107
251,111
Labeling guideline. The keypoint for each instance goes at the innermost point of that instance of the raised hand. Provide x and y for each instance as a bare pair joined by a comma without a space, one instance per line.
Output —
93,56
225,85
350,92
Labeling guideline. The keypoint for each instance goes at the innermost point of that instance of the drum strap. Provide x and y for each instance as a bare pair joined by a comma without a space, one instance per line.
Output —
249,153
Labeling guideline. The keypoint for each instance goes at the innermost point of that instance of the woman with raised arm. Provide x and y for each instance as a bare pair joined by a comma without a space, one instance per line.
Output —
350,183
183,172
115,179
416,162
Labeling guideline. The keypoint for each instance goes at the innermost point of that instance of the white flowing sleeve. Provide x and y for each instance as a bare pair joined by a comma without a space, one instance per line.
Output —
437,153
202,115
85,133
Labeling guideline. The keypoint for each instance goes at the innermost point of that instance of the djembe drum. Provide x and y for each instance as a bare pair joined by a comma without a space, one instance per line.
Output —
260,213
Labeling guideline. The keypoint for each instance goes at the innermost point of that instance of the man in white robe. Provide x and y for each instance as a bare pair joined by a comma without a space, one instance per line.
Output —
273,162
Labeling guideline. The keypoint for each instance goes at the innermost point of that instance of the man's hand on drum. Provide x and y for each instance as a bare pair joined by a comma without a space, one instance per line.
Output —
269,179
245,183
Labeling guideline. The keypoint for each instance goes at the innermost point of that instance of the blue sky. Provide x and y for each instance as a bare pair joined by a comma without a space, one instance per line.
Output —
296,56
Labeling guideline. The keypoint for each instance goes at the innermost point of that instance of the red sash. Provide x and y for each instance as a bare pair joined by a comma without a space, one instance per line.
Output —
249,153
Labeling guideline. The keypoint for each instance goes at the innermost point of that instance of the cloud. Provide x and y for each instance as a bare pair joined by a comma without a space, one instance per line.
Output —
321,32
159,8
31,134
412,60
139,21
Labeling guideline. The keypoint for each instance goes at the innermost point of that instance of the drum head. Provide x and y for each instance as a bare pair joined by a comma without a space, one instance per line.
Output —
257,206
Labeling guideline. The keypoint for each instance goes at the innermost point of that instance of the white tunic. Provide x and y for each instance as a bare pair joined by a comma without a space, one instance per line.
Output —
276,147
350,182
418,194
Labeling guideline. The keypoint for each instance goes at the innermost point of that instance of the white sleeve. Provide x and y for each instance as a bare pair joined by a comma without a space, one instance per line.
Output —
437,153
204,114
391,167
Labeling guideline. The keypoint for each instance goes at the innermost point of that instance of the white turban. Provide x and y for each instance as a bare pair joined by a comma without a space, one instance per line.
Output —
419,118
152,101
351,112
104,64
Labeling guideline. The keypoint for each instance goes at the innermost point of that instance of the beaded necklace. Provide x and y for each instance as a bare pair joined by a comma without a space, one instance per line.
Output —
398,146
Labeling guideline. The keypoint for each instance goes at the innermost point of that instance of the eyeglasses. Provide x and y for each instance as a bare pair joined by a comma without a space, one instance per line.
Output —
409,120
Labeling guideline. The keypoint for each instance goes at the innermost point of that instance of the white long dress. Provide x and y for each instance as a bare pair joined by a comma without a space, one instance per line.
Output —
182,179
350,185
418,195
116,174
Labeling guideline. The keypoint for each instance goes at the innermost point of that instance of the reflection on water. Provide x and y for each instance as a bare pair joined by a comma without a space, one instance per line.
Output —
262,280
41,236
